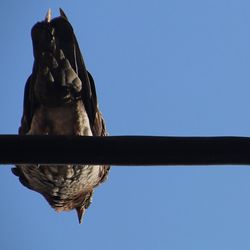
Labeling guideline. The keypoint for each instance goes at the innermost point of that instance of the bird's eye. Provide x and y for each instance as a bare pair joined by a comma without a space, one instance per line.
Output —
88,202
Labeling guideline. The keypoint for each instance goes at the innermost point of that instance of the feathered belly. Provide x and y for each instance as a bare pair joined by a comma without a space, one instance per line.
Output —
62,180
69,119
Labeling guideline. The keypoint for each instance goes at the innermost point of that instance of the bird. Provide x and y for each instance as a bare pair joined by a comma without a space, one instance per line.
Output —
60,99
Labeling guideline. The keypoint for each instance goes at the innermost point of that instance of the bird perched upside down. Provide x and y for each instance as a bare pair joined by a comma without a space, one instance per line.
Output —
60,99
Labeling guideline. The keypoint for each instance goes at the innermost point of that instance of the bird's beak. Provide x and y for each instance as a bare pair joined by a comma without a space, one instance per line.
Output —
48,16
80,212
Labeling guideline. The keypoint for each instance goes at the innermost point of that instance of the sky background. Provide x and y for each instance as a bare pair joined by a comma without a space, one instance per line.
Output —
179,68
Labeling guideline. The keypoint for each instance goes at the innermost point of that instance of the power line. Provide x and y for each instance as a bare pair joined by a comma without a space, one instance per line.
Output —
124,150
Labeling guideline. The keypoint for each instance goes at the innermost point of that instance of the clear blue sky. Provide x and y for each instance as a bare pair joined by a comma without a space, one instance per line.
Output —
161,68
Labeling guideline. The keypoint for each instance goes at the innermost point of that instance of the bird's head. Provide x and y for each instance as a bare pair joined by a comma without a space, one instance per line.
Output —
80,203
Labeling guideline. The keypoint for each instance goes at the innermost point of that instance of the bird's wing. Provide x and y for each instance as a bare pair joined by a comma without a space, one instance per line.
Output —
29,106
67,41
